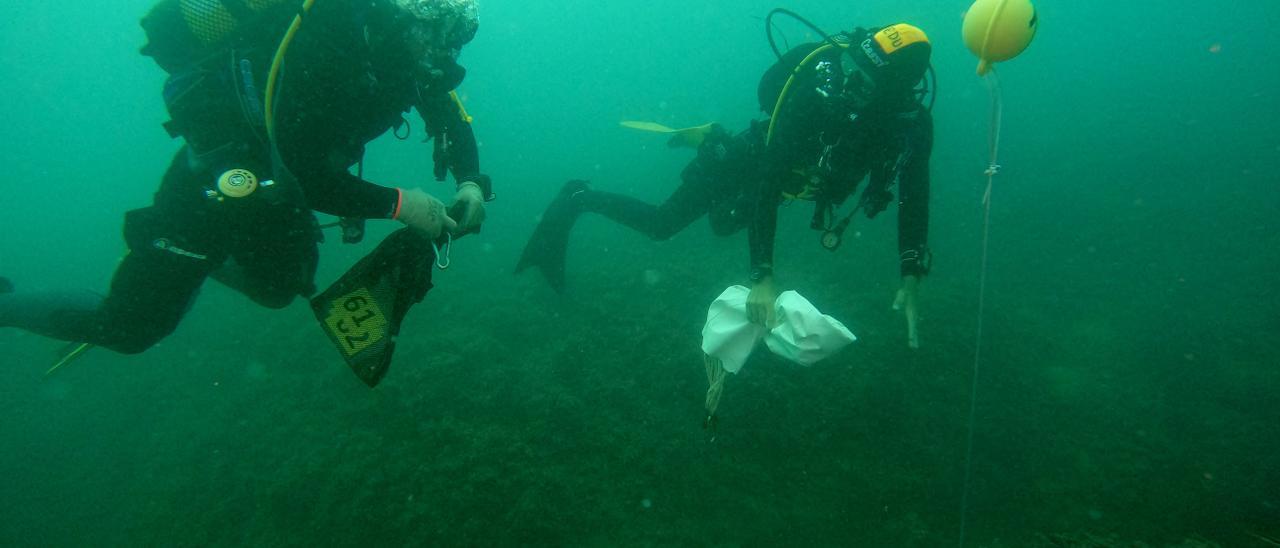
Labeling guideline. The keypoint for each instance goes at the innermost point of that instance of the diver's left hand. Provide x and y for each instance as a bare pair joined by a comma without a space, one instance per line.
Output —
760,302
468,207
908,301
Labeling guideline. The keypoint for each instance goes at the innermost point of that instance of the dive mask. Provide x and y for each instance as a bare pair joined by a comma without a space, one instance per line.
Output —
885,65
859,85
857,62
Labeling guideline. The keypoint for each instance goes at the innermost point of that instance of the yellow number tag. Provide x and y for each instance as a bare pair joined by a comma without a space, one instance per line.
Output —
356,321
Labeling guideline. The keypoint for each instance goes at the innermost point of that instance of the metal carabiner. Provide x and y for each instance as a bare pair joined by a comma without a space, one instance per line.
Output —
448,247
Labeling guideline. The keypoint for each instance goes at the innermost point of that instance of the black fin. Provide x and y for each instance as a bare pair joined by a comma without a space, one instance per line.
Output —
548,245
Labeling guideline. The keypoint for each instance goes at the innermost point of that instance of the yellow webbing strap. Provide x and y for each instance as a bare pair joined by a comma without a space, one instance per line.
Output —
809,193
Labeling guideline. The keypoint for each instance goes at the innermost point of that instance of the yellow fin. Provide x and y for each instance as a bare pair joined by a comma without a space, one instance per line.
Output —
691,137
76,350
647,126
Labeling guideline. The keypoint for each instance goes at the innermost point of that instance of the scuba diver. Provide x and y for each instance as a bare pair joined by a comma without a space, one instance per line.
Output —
274,117
849,108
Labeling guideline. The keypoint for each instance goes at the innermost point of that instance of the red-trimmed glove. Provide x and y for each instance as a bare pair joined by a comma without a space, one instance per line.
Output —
424,212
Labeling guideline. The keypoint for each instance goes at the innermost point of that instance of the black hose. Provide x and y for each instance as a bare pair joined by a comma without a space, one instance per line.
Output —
768,28
933,82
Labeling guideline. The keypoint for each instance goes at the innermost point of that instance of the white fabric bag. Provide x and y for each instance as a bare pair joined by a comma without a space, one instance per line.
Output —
802,335
728,336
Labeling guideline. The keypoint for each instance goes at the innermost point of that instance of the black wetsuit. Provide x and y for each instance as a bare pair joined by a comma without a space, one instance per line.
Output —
711,184
821,151
739,180
338,92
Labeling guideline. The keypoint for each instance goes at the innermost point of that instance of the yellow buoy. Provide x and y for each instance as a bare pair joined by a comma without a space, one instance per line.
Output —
998,30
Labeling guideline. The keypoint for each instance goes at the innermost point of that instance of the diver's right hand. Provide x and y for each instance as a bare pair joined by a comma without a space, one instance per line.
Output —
760,302
423,212
468,206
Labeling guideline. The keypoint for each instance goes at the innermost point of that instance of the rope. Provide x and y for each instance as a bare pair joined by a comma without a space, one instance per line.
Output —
993,169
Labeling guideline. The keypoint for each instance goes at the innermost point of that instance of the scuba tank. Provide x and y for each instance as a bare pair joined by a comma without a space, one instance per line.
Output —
181,33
